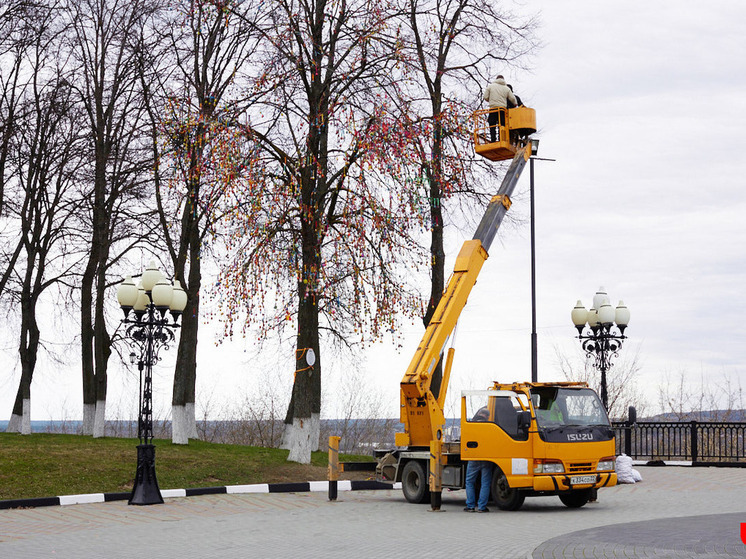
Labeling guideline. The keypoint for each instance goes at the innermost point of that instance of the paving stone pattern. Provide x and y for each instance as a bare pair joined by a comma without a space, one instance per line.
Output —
675,512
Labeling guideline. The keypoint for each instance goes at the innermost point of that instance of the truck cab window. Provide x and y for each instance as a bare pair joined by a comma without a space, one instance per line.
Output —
567,406
504,411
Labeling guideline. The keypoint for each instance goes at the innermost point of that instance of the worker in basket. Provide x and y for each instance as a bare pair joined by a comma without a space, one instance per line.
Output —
498,95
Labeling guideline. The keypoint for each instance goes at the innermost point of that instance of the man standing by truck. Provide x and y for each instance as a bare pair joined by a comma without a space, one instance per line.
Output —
478,470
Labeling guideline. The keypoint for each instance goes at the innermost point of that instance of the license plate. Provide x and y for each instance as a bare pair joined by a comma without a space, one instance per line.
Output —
581,480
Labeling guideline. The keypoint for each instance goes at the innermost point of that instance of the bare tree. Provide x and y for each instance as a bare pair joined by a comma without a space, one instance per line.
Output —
43,154
256,419
358,415
104,33
451,48
200,152
708,399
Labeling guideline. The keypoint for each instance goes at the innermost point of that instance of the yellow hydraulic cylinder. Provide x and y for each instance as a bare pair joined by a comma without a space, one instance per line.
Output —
446,378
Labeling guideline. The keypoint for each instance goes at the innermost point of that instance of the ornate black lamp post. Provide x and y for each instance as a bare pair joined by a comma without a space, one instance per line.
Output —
601,331
145,307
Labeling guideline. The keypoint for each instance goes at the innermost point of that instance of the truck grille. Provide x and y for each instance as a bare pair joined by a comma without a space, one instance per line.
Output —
578,467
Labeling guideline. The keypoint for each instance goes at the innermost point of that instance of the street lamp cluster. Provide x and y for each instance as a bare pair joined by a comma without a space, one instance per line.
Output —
145,308
154,289
601,331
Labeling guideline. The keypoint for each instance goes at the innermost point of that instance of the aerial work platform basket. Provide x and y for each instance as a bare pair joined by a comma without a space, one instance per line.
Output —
512,129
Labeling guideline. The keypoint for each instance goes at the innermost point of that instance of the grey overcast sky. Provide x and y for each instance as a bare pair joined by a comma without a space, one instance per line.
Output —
643,105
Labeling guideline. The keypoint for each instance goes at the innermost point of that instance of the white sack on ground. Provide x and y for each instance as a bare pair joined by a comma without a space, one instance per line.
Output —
625,473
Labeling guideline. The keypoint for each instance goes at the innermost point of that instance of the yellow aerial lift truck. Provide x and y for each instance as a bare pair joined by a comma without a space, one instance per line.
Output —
544,438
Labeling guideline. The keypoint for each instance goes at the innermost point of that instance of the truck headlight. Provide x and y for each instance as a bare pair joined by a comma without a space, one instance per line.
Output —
548,467
608,463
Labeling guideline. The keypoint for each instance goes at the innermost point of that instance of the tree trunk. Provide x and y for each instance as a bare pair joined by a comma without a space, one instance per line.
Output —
89,414
20,421
183,420
184,427
302,422
437,252
94,338
437,280
102,349
86,343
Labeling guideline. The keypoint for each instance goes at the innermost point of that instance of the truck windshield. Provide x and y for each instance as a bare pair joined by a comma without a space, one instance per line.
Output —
559,407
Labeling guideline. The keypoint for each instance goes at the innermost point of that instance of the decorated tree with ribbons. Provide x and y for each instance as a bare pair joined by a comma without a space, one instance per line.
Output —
324,242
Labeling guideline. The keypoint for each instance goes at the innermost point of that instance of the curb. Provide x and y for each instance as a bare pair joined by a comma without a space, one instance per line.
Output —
302,487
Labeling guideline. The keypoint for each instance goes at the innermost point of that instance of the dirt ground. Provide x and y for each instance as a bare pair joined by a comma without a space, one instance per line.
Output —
300,472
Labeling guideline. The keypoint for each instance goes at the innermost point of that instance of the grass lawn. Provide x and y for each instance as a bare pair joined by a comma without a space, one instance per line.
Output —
47,465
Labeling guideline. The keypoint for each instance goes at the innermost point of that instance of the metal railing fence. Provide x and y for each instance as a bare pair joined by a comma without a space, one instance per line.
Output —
701,442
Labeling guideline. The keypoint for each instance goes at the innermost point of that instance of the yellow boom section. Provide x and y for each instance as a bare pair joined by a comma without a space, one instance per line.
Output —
421,410
468,265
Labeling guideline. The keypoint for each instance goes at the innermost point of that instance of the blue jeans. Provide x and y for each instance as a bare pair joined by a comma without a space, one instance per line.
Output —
478,469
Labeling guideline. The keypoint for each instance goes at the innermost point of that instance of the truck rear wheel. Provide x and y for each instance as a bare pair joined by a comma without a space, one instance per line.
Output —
505,497
414,483
576,499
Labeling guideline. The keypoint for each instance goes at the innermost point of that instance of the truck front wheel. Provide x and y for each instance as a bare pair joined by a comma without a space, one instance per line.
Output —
414,483
576,499
505,497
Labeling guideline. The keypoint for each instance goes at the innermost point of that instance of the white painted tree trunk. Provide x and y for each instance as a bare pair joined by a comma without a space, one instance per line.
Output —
302,437
89,415
99,421
26,422
191,421
21,423
179,427
14,424
183,424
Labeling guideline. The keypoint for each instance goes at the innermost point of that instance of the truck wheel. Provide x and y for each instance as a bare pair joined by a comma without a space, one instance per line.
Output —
504,496
576,499
414,483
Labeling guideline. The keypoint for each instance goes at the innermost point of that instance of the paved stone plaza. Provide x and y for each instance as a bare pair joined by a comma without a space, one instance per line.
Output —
675,512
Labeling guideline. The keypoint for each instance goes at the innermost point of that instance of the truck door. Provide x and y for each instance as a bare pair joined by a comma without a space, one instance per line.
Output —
495,427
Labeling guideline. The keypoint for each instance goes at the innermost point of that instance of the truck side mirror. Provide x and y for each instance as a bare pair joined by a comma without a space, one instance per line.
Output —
524,423
524,420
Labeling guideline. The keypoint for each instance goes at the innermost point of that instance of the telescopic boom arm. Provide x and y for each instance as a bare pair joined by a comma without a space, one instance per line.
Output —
421,410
